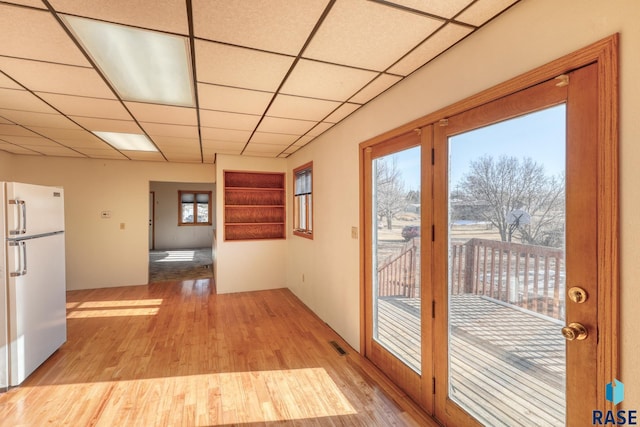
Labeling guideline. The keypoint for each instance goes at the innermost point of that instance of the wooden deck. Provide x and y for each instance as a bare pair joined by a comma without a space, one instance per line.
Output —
506,363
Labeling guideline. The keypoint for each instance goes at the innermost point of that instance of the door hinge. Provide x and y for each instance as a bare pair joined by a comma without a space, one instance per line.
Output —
433,385
433,233
563,80
443,122
433,156
433,309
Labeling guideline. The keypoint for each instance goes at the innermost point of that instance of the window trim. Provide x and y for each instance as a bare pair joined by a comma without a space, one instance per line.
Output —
308,234
195,216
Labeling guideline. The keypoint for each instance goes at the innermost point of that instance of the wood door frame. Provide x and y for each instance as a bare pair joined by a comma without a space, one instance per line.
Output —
152,193
414,383
605,54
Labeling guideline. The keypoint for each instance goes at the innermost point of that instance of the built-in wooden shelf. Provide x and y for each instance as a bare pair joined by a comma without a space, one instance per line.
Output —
254,205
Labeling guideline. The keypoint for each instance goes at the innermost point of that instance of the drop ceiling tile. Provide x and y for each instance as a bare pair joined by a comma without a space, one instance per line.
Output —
86,107
446,8
264,150
304,140
30,118
319,129
435,45
156,113
82,143
49,43
326,81
294,107
16,149
172,143
375,88
220,119
483,10
70,137
211,147
178,131
107,125
290,126
368,35
6,82
230,135
28,141
12,99
170,16
64,79
31,3
273,138
183,158
59,151
101,153
239,67
232,100
342,112
11,129
274,25
145,155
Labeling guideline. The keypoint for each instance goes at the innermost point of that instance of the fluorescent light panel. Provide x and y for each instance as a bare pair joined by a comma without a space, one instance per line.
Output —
127,141
141,65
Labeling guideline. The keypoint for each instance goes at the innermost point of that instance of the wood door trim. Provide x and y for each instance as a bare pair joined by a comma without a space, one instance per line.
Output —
605,53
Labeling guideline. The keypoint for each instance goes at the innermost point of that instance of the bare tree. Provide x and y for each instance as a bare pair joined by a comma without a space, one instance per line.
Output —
492,189
391,198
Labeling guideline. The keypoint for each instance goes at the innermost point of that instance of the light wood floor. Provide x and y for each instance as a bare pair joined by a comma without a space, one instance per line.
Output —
177,354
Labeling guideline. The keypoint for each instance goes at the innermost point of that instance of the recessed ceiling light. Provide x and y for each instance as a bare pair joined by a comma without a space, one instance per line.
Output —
141,65
127,141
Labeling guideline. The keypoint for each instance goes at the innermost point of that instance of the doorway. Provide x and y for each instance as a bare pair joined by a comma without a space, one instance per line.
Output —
182,246
504,298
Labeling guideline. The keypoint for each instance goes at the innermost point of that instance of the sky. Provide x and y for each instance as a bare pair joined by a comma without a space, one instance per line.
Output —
539,135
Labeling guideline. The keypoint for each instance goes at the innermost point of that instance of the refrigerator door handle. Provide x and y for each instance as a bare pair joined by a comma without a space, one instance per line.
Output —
22,225
22,260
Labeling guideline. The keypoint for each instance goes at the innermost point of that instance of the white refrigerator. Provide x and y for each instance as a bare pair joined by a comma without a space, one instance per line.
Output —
32,279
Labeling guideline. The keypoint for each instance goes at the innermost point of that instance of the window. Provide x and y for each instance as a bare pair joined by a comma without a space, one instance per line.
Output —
302,201
194,207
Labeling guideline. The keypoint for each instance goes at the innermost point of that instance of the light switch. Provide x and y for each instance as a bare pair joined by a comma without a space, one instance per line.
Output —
354,232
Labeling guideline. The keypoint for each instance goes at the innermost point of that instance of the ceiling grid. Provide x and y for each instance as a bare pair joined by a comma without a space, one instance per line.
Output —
269,76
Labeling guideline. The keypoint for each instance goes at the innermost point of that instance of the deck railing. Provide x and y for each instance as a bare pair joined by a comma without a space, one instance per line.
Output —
527,276
398,275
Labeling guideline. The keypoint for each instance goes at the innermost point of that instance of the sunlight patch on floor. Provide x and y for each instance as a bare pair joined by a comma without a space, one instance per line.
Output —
173,256
88,309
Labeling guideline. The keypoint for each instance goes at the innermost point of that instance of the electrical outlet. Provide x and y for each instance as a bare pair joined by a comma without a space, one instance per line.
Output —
105,214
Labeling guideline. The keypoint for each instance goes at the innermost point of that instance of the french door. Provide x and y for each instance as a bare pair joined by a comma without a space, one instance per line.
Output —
482,281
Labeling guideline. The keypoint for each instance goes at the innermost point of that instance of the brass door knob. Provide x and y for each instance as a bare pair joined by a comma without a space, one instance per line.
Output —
574,331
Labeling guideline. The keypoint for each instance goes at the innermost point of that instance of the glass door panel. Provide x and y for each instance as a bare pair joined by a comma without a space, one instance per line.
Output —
506,270
396,234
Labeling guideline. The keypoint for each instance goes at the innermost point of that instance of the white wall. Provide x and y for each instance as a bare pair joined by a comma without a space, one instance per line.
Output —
99,252
168,234
248,265
6,166
530,34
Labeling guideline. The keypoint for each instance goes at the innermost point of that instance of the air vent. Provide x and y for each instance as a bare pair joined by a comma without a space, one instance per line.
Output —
339,349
